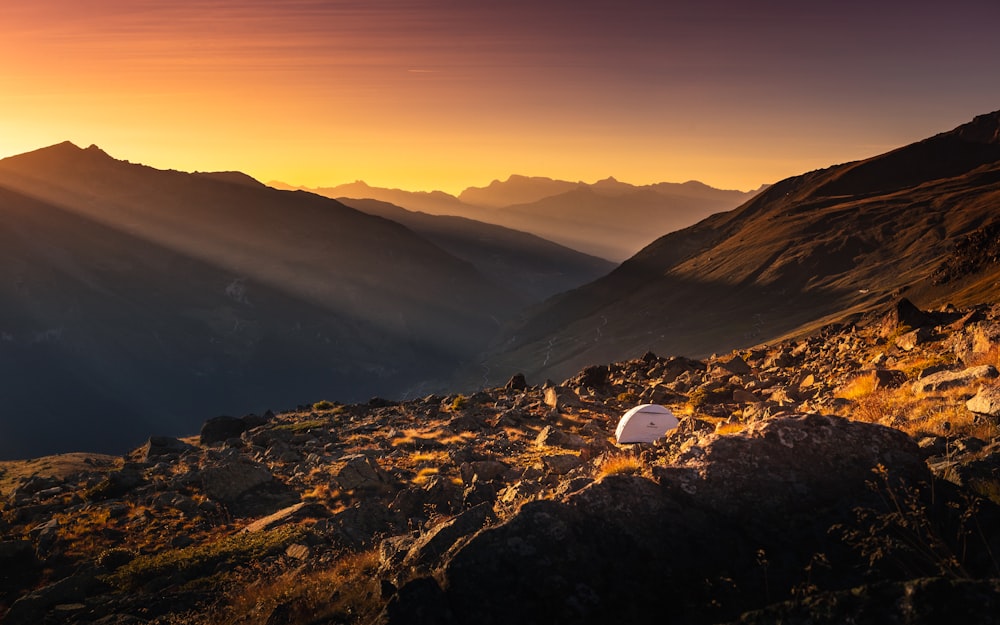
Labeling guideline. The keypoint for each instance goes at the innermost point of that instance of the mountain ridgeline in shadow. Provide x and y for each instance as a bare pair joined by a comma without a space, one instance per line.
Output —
523,263
136,301
608,219
834,244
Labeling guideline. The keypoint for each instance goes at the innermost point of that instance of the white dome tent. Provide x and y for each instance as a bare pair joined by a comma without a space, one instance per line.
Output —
644,424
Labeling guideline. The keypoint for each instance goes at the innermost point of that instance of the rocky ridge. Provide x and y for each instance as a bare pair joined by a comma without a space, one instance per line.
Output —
825,477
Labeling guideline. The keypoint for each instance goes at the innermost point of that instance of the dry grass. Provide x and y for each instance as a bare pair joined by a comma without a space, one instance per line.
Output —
989,357
347,592
858,388
731,427
914,366
425,474
623,464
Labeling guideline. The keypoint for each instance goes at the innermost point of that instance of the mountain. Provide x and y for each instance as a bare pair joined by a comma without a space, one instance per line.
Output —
516,190
136,300
830,244
614,220
609,219
523,263
433,202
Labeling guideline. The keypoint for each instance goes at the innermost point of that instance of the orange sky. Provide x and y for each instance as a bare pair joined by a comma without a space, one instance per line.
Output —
445,94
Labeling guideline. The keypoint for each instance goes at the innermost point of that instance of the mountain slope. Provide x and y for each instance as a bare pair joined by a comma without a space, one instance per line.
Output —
525,264
152,298
920,220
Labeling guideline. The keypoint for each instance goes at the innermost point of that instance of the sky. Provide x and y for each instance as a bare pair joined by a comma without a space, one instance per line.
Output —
447,94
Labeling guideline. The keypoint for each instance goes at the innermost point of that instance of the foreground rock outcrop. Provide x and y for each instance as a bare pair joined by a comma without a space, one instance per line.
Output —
827,478
734,524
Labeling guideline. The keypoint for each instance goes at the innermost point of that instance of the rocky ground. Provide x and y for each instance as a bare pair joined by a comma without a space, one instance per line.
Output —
849,475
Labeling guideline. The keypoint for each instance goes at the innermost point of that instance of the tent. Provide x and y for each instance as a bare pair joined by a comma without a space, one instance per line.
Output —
645,424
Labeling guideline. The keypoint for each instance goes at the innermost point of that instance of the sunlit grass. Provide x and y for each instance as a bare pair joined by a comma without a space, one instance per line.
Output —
620,464
346,592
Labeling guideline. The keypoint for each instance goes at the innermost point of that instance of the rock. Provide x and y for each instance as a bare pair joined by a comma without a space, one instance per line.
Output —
594,377
19,568
888,378
162,446
949,379
483,471
31,608
622,548
116,484
907,342
245,487
986,401
226,482
220,429
559,397
554,437
466,422
362,524
927,601
442,537
736,365
516,383
291,514
359,471
805,454
908,315
561,464
741,396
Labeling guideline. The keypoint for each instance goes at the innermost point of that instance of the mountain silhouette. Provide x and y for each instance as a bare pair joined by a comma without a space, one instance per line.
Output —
608,219
829,245
138,300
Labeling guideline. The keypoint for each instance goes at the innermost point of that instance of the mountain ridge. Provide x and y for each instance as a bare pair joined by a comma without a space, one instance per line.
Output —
608,219
798,252
244,278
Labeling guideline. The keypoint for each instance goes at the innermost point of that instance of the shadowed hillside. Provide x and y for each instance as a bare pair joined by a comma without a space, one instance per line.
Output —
151,299
523,263
920,221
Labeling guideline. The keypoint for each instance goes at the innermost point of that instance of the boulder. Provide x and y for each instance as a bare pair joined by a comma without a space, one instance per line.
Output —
926,601
483,471
19,567
360,472
554,437
158,447
594,377
908,315
688,547
910,340
246,488
560,397
736,365
516,382
949,379
31,608
561,464
220,429
291,514
888,378
443,536
986,401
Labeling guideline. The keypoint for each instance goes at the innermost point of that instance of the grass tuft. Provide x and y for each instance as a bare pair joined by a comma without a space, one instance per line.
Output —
620,464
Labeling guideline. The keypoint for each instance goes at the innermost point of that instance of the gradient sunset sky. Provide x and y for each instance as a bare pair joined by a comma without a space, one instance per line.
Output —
445,94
